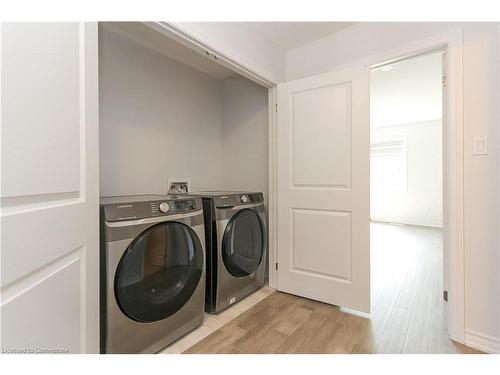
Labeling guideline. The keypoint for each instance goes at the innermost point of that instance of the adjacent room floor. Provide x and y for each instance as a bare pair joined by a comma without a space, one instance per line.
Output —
406,317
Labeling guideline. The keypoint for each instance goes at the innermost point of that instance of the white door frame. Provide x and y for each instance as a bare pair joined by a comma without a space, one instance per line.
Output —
273,189
453,167
224,56
453,186
453,138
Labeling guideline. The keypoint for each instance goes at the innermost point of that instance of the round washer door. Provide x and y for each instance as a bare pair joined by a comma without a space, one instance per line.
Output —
159,272
243,243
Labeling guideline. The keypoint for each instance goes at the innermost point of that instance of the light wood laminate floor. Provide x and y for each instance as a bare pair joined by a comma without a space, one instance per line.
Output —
406,317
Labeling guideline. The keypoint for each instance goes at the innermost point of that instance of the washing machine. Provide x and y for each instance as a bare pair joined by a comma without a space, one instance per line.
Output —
152,271
236,243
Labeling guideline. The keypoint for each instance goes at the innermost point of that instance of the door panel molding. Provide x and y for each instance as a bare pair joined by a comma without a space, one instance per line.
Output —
334,155
50,226
345,232
37,329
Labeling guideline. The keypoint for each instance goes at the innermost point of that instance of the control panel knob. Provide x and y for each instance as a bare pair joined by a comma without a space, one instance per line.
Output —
164,207
244,198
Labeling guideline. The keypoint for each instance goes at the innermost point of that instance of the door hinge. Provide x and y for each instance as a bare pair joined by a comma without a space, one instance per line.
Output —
445,295
276,266
276,107
444,81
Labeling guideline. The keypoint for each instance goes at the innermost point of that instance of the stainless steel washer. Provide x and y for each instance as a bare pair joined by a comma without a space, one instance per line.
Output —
152,271
236,238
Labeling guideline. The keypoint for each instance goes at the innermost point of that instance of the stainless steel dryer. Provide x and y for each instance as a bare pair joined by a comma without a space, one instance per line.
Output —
236,242
152,271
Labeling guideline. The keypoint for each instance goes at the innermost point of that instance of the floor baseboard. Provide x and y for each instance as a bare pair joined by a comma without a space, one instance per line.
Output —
485,343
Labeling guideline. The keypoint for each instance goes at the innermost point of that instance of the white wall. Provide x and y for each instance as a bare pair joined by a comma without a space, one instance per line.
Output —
244,44
360,41
481,118
420,203
159,119
245,135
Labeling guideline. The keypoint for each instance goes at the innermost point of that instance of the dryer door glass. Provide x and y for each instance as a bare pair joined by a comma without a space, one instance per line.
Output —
243,243
159,272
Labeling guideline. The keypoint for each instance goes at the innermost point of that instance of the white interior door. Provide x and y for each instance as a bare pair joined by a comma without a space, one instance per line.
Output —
323,145
49,187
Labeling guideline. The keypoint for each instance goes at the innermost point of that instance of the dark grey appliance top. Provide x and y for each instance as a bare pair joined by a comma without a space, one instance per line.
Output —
134,207
229,198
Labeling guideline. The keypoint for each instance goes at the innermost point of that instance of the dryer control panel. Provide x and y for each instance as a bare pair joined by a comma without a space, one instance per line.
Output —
238,199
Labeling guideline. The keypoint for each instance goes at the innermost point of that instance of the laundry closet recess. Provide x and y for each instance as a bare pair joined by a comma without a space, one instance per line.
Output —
168,112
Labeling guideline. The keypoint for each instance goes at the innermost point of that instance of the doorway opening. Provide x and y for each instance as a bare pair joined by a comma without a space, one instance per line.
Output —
406,204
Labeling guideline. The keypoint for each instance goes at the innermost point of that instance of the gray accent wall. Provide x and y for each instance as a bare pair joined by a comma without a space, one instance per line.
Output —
161,119
245,136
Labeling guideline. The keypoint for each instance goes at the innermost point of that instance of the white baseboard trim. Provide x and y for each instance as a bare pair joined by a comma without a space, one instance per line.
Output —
418,223
483,342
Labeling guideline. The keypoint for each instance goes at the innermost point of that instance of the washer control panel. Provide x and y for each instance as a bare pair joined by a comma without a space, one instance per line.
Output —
164,207
172,207
141,210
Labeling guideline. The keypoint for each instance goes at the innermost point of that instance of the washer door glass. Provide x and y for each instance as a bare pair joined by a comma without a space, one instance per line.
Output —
159,272
243,243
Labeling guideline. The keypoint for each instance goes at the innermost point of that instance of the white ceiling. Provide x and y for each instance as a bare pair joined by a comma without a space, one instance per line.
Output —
411,91
291,35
